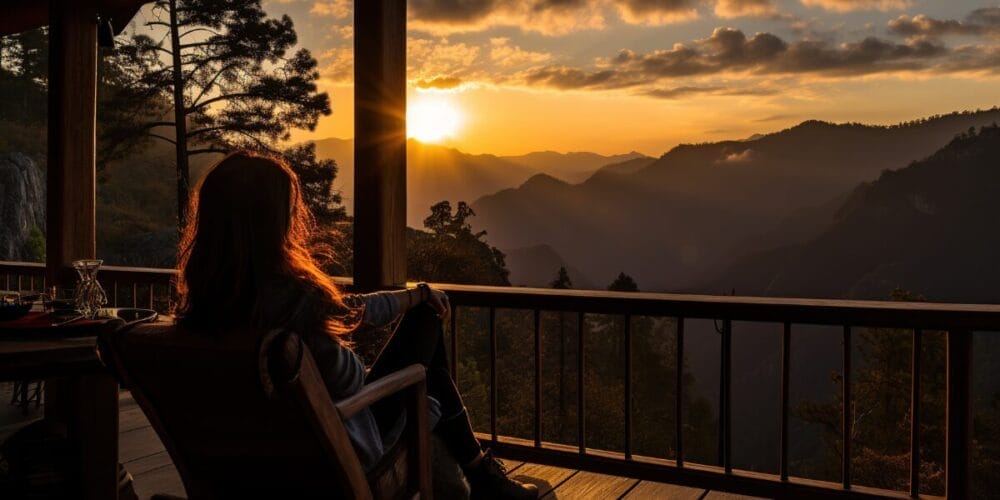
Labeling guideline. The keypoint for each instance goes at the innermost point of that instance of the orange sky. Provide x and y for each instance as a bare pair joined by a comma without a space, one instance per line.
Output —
597,76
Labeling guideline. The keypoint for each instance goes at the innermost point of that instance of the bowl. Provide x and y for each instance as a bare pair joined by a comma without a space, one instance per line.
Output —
11,311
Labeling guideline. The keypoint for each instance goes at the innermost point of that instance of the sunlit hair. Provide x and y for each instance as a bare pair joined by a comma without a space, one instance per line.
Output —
244,258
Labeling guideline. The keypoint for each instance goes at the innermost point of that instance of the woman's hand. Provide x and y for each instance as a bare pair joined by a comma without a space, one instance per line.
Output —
438,301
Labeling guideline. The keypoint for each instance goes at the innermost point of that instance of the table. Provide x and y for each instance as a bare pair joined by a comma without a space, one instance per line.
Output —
80,392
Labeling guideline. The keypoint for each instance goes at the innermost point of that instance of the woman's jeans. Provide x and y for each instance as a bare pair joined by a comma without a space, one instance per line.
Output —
419,338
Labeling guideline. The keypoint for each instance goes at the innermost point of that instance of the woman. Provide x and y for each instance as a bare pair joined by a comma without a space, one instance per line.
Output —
244,261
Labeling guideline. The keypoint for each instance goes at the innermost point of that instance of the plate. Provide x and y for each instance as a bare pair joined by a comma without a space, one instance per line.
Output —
129,315
10,312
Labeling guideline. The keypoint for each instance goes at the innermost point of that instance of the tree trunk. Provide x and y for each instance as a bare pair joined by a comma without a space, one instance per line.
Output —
180,120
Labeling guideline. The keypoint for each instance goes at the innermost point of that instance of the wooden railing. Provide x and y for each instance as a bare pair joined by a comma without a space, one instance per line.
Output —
149,288
958,321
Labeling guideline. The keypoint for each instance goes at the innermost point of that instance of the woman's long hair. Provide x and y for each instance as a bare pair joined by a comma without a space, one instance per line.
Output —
244,260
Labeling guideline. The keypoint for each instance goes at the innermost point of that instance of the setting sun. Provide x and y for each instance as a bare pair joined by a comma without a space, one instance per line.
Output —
432,119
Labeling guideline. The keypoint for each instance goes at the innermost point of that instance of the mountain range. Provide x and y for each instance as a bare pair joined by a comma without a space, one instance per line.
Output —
929,228
437,173
699,209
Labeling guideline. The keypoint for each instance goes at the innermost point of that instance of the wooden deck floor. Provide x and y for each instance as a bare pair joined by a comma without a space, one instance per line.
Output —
142,453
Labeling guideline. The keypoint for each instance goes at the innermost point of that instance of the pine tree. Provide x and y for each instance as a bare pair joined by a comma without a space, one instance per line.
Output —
226,70
562,280
623,283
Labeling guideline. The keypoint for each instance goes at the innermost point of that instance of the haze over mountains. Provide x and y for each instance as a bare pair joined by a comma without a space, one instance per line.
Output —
436,173
930,228
682,219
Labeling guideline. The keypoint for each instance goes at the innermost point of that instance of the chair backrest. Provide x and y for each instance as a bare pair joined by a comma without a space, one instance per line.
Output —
242,413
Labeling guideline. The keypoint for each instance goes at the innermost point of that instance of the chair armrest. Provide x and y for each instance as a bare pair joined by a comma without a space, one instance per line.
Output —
381,388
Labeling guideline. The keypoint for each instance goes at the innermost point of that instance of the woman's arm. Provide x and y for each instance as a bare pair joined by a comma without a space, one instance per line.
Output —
382,308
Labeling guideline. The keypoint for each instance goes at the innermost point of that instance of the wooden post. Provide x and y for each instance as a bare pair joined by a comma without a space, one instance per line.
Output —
379,144
71,182
959,416
88,404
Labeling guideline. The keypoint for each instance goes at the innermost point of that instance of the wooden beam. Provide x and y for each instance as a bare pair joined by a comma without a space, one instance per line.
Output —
71,182
88,404
379,144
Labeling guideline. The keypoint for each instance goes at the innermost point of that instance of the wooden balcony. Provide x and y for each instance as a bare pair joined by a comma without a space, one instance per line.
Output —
145,458
149,288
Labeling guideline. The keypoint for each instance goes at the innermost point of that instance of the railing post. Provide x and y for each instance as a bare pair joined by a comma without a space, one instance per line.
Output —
679,408
959,417
786,350
581,401
725,397
493,374
628,387
538,378
847,417
915,414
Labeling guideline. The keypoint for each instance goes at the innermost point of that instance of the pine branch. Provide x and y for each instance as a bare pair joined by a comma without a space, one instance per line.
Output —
198,44
186,33
205,130
225,97
206,150
158,136
147,126
210,83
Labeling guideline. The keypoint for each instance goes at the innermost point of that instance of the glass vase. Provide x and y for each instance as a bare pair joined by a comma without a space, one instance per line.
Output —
90,296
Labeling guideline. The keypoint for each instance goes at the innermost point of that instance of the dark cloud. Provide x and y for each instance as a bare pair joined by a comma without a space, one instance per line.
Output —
564,77
659,6
557,4
452,10
472,11
731,50
774,118
441,83
985,21
735,8
678,92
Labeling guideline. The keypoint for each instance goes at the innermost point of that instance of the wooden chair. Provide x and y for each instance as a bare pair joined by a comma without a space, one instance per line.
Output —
247,415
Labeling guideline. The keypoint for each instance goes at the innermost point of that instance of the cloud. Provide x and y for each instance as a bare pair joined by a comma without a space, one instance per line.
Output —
850,5
730,52
686,91
440,83
744,156
737,8
550,17
430,58
337,64
985,21
506,55
338,9
657,11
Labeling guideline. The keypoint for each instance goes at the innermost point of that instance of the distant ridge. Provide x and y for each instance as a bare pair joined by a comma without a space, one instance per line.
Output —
537,266
930,228
437,173
688,214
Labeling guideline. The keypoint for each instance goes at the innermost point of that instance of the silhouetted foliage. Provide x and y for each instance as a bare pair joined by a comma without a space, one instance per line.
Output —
235,86
450,252
623,283
562,280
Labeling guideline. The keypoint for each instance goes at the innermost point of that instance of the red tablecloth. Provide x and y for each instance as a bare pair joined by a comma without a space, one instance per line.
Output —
39,324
